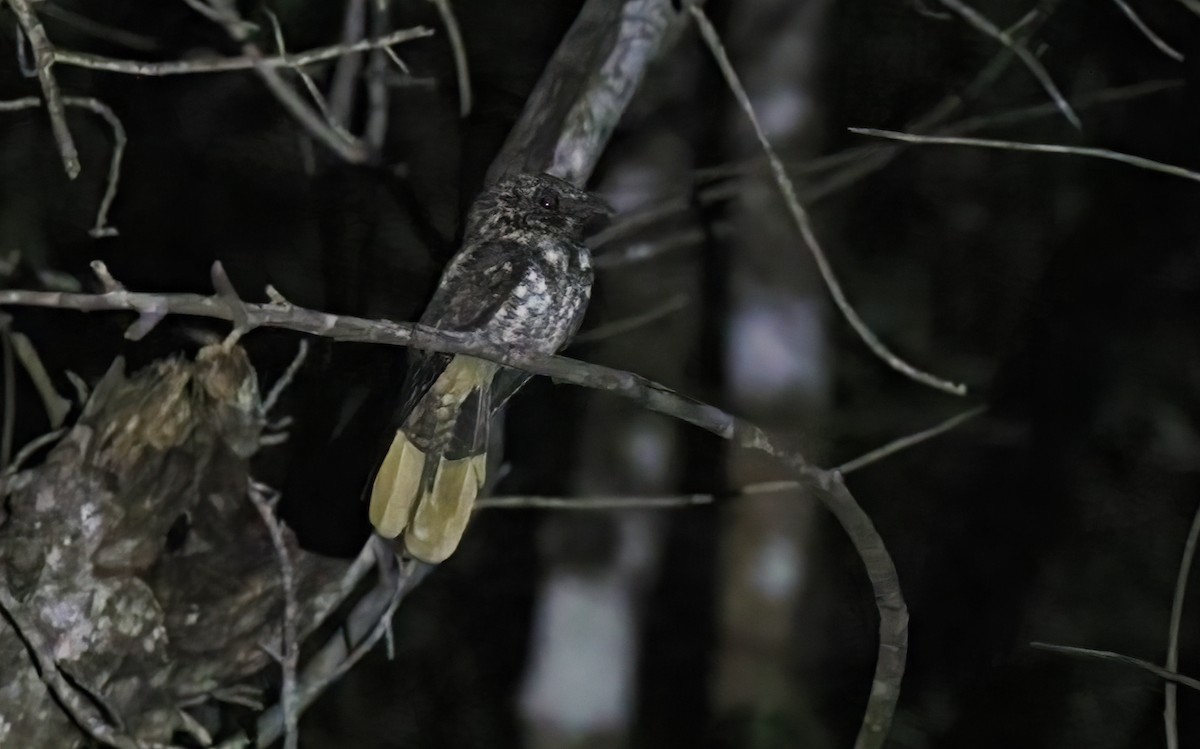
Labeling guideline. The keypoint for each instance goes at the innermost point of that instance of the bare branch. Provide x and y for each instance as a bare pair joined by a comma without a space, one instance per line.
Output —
378,92
830,488
313,91
101,227
757,488
591,121
908,441
1172,663
10,392
286,378
585,89
100,30
242,62
337,140
364,626
1192,5
1008,145
57,407
264,498
980,22
619,327
343,86
592,503
1148,32
454,33
804,224
30,448
1108,655
43,52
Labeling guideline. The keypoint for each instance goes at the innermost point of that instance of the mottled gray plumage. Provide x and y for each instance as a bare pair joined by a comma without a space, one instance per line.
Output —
522,279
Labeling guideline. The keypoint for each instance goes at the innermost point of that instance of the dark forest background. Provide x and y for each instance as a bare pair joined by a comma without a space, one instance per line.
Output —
1064,291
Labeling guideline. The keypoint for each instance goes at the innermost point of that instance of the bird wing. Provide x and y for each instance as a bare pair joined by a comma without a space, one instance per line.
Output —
472,289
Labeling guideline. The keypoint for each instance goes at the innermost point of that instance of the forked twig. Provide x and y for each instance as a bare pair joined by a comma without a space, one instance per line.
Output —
1170,705
264,499
1009,145
1128,660
101,227
242,62
804,223
980,22
43,52
1148,32
459,48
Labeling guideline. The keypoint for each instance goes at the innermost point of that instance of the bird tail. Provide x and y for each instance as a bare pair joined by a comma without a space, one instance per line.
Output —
437,463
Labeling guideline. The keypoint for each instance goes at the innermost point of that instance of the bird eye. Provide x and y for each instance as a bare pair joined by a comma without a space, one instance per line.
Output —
548,200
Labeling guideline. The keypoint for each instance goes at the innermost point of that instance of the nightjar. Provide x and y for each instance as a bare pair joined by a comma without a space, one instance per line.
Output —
522,278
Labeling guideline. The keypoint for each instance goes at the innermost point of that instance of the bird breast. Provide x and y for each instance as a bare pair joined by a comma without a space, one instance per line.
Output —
545,306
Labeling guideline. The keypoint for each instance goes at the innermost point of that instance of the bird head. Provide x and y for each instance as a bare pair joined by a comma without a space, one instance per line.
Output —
533,207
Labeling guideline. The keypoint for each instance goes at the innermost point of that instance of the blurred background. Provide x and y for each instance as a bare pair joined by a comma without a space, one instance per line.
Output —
1064,291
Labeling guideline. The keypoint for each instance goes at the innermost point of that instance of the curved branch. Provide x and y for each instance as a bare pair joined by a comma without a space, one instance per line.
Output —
830,488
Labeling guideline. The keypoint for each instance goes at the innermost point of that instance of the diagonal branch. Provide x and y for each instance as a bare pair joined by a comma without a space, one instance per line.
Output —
1010,145
804,223
1170,705
342,143
459,48
982,24
265,500
241,62
43,52
827,485
1127,660
1148,32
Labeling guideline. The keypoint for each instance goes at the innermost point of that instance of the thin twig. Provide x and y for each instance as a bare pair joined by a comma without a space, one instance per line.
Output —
633,322
592,503
100,30
265,499
1192,5
43,52
852,165
754,489
101,227
804,224
241,62
30,448
379,94
592,119
904,443
73,703
1148,32
363,627
1128,660
10,393
286,378
57,407
1008,145
1172,662
1081,102
981,23
832,492
344,85
454,34
309,84
339,141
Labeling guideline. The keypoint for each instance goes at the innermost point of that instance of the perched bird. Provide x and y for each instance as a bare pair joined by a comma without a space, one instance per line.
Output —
522,278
